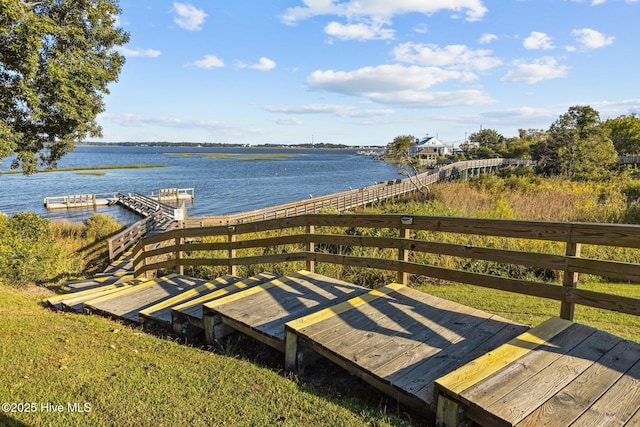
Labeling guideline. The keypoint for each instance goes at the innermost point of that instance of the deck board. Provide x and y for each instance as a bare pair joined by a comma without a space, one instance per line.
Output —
186,317
127,303
262,311
403,340
160,313
573,373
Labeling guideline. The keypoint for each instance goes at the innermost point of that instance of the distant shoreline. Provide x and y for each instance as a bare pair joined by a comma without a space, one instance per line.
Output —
321,145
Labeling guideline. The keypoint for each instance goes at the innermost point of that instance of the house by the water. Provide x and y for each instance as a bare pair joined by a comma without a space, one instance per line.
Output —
430,149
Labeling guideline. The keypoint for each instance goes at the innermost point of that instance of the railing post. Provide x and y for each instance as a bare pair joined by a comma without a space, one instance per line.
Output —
570,280
179,240
231,238
403,256
311,247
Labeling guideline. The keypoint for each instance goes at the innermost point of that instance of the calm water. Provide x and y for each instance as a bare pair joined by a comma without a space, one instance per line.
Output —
226,180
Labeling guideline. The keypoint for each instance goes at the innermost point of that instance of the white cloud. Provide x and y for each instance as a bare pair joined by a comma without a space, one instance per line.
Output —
591,39
188,16
332,109
541,69
537,40
132,53
488,38
455,56
382,78
381,9
287,121
359,31
209,62
399,85
264,64
433,99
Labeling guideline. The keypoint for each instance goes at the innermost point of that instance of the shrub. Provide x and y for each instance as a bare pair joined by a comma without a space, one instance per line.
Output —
99,226
28,250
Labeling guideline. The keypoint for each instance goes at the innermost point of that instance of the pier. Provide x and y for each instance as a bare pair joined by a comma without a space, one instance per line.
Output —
108,199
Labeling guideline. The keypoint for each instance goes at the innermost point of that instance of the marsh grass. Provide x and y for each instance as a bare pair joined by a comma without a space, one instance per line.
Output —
89,168
236,156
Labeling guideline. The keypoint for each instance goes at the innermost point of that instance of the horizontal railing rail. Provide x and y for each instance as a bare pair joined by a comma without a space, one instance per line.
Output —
403,244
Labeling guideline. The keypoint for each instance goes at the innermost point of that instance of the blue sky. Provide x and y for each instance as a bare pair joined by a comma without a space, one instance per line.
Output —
361,72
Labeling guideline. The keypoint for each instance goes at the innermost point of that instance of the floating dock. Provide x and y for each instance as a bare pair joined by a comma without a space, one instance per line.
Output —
108,199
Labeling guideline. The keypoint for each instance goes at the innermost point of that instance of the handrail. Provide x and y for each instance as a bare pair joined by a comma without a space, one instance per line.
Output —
405,243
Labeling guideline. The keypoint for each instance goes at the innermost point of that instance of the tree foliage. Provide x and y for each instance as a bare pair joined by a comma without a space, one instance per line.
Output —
577,146
400,153
57,59
490,144
625,133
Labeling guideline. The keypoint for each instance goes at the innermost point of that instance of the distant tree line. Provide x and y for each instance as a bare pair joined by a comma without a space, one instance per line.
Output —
578,145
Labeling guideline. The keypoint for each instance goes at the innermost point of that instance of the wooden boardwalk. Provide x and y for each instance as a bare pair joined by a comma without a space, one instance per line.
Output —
399,340
557,374
449,361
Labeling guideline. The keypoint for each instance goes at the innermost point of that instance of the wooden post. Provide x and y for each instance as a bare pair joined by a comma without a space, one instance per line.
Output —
311,247
403,255
570,280
178,242
232,252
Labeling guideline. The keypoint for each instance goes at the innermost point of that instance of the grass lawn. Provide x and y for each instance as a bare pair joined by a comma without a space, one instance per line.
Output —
121,376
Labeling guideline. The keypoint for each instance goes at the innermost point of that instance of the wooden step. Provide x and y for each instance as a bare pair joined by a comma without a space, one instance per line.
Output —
127,303
186,318
160,313
262,311
397,339
82,295
559,373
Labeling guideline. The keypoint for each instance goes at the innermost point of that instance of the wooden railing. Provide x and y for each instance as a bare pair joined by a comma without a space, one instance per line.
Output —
405,242
350,199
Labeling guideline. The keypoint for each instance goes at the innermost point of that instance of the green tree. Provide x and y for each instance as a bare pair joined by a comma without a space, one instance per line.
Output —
577,146
625,133
408,165
490,144
57,59
520,147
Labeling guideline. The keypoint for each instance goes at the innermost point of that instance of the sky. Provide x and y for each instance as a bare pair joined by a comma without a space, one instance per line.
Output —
361,72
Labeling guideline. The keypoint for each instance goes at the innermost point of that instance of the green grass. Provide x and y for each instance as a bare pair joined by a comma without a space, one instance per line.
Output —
128,377
237,156
90,168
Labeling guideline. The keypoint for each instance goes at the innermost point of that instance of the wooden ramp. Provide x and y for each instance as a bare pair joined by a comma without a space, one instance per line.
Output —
186,317
160,313
127,303
75,301
262,311
557,374
398,339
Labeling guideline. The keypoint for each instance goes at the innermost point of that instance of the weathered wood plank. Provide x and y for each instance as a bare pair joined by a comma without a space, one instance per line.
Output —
161,312
618,404
567,405
538,388
470,374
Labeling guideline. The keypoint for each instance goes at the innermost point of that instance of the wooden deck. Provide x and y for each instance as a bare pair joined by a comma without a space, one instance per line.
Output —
262,311
186,317
457,364
160,312
398,339
127,303
557,374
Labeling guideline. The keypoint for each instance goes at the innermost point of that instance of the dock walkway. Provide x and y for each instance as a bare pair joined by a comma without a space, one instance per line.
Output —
446,360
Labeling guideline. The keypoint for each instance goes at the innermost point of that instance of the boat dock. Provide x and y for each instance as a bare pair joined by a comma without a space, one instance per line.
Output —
109,199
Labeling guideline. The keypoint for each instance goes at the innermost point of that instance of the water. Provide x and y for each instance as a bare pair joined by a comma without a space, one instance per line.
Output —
226,180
